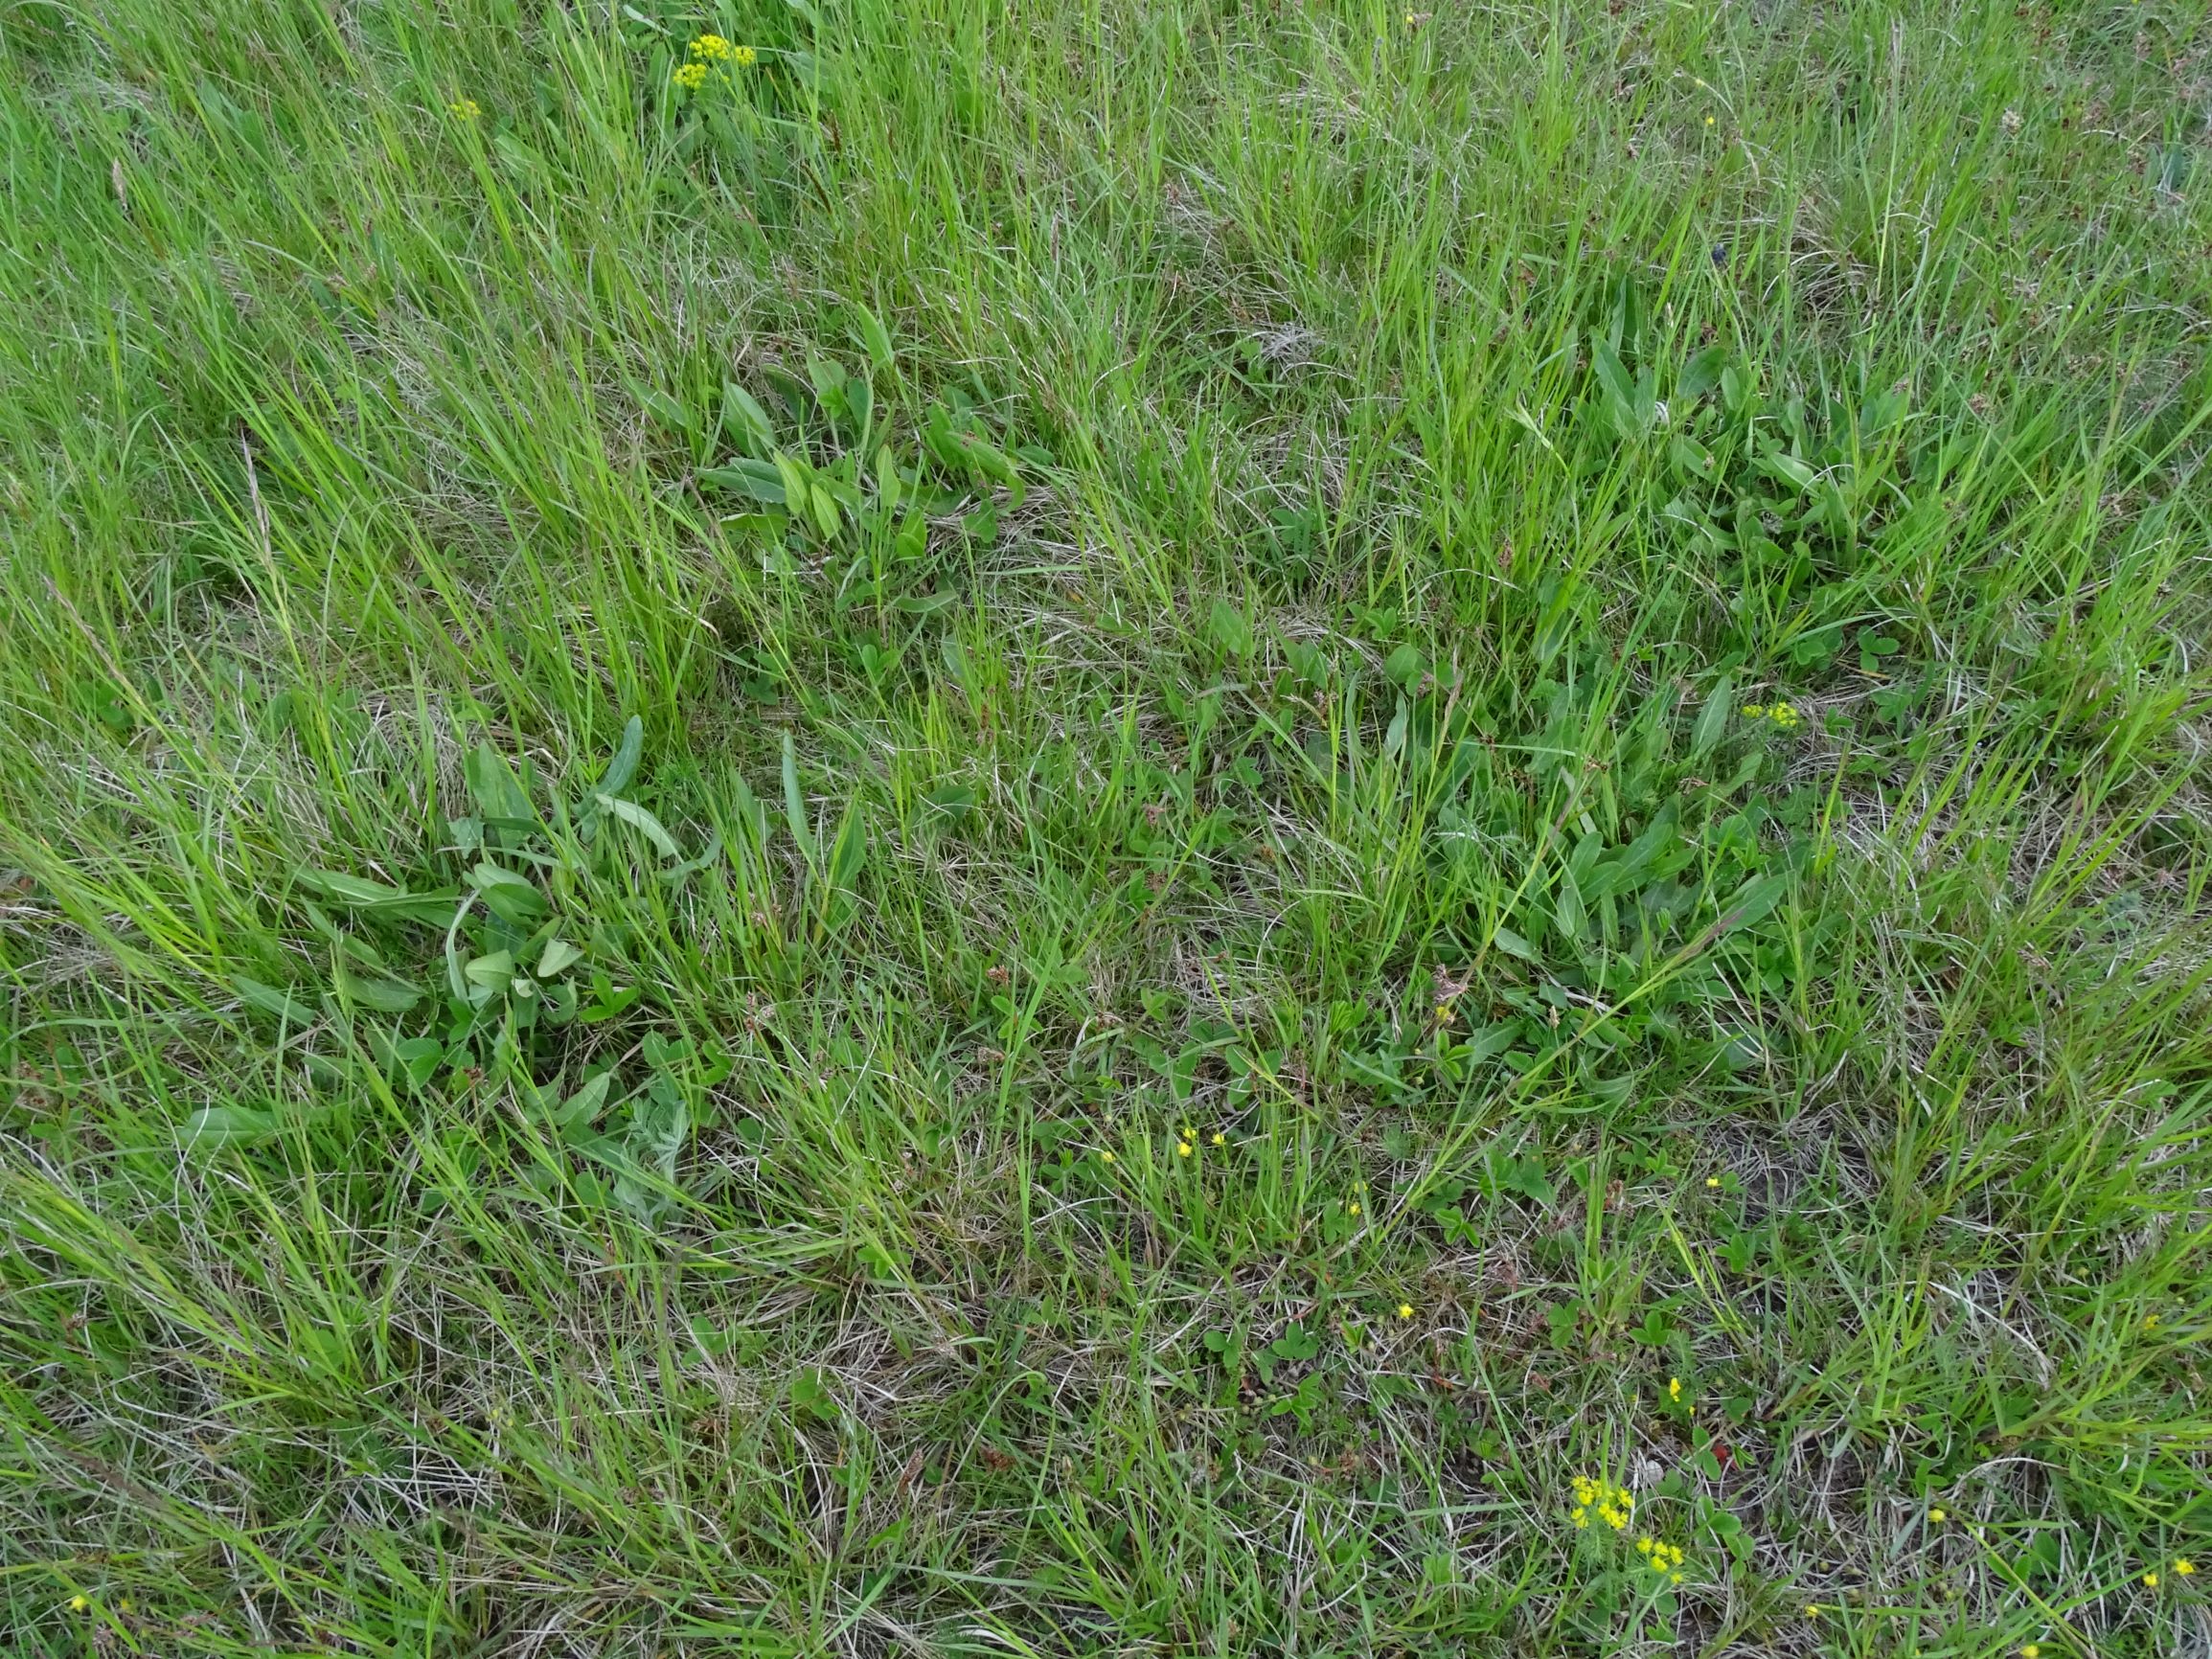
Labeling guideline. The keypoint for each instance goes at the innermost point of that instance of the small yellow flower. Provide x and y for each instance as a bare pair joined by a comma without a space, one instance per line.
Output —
743,57
1182,1148
2183,1569
711,48
1643,1546
1353,1208
1712,1180
1708,120
1405,1310
464,109
2150,1580
690,76
78,1604
1674,1388
1754,710
2149,1322
1813,1610
1938,1517
2031,1651
1675,1579
1220,1139
1105,1156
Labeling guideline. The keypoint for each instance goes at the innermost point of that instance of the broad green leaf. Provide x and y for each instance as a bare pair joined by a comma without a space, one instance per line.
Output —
887,482
1513,944
558,958
874,338
794,803
499,794
493,971
623,767
1713,717
860,398
641,821
745,421
270,1000
584,1105
824,507
1751,901
214,1126
797,496
380,993
759,479
849,855
1701,372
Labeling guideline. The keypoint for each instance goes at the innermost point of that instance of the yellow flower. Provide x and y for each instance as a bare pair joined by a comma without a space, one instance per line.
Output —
1813,1610
1674,1388
78,1604
1613,1505
2031,1651
712,48
2184,1568
1938,1517
1754,710
1220,1139
1353,1208
743,57
464,109
692,76
2149,1322
2150,1580
1712,1180
1405,1310
1105,1156
1182,1148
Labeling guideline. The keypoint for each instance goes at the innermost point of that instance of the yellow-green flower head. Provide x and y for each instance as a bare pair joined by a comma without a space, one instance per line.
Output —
711,49
464,109
690,76
1611,1504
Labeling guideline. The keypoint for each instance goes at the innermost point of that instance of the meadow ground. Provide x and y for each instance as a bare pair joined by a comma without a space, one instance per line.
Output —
1087,827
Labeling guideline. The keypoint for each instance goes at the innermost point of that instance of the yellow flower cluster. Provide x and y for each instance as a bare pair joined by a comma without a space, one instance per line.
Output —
714,49
464,109
1611,1503
1781,713
1661,1557
691,76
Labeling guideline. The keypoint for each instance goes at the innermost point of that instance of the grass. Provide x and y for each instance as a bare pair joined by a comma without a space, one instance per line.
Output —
1092,827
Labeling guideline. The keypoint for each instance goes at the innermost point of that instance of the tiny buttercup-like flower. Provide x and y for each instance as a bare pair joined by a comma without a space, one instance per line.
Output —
2183,1569
78,1604
1938,1517
1106,1157
2150,1580
1182,1148
1405,1310
1712,1180
1674,1388
1220,1139
2032,1650
1353,1208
